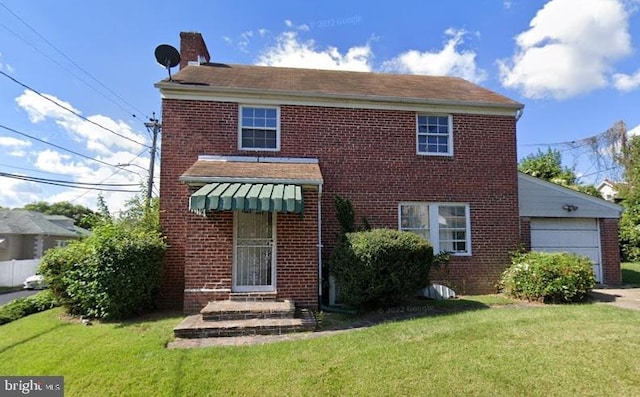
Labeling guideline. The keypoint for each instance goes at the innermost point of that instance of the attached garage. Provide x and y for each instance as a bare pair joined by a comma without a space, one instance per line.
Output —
557,219
576,235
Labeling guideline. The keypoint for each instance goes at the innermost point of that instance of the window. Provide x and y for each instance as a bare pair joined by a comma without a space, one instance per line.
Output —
434,135
62,243
259,128
445,225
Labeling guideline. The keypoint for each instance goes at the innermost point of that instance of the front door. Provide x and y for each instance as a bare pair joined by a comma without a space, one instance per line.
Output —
254,253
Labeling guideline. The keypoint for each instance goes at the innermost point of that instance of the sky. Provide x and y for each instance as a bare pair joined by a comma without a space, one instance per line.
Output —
77,77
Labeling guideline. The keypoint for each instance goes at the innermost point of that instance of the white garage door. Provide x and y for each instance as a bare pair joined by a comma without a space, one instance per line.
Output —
577,235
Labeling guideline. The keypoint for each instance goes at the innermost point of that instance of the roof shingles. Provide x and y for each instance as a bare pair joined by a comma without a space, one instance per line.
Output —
33,223
238,171
362,85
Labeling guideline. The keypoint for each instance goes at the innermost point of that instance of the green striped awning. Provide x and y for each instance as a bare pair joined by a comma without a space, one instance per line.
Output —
251,197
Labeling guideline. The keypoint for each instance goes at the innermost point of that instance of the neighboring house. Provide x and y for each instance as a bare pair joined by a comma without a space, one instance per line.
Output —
253,156
558,219
608,190
27,234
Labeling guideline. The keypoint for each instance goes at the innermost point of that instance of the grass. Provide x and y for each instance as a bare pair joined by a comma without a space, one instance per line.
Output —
538,351
631,274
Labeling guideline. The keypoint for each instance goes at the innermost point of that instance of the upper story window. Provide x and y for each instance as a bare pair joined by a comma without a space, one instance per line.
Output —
434,135
445,225
259,128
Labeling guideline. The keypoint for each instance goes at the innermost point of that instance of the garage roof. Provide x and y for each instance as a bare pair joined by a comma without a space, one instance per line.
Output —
539,198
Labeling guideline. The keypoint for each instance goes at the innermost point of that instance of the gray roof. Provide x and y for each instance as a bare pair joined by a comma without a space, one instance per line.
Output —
19,221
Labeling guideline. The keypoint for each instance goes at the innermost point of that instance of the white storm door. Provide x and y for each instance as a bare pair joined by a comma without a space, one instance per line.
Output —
254,252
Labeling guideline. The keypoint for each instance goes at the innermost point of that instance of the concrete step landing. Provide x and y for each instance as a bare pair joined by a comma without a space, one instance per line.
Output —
246,314
196,327
245,310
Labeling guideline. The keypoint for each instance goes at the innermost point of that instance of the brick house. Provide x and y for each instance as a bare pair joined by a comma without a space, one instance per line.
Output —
252,158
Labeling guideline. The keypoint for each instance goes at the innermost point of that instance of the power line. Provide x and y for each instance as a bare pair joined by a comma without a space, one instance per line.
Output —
73,185
71,110
29,169
75,64
110,176
64,149
34,179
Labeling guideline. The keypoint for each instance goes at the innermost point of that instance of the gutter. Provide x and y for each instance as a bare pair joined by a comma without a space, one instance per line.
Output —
320,246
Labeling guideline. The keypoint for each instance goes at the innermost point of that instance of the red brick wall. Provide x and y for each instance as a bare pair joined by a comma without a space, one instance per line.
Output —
297,255
368,156
611,273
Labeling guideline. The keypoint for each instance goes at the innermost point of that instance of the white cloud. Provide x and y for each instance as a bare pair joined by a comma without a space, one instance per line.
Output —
626,82
17,193
92,141
52,161
291,52
72,169
15,146
6,66
13,142
569,49
634,131
449,61
95,138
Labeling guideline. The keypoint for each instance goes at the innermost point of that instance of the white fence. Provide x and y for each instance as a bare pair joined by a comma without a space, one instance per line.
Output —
15,272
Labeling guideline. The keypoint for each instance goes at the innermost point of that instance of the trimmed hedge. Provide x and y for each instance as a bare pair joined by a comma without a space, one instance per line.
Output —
548,277
21,307
380,267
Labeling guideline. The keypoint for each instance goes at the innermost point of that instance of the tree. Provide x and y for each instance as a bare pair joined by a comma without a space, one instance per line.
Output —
114,273
548,166
81,215
629,191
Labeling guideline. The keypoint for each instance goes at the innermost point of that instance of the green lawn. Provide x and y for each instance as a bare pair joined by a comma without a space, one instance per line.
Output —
574,350
631,274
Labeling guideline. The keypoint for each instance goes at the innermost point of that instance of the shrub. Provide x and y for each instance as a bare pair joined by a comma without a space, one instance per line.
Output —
21,307
114,273
380,267
57,262
548,277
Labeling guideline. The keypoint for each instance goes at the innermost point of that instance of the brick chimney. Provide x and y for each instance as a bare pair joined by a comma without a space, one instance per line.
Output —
192,49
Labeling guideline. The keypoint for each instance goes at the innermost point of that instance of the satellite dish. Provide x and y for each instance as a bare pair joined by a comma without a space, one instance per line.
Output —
167,56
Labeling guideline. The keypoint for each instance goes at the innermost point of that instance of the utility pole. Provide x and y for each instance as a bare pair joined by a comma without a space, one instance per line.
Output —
155,127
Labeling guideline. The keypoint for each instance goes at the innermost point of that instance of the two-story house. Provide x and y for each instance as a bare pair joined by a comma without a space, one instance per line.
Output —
252,158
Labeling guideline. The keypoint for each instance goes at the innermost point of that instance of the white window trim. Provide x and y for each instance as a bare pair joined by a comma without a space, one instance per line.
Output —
434,227
277,148
450,143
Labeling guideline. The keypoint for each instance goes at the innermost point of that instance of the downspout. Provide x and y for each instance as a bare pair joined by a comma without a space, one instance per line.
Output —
319,245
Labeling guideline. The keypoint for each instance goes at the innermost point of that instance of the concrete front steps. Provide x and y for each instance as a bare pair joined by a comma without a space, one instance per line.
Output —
244,315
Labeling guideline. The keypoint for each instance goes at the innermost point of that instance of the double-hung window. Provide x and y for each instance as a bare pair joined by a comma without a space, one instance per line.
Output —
434,135
259,128
445,225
